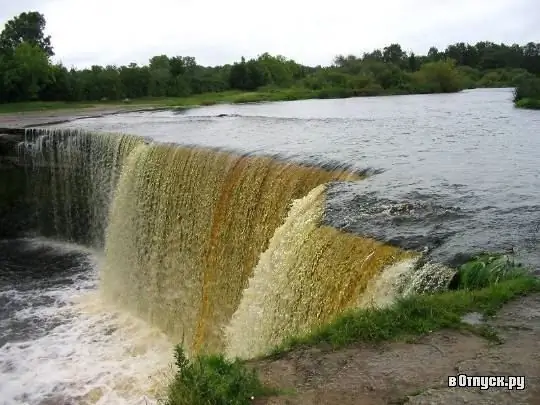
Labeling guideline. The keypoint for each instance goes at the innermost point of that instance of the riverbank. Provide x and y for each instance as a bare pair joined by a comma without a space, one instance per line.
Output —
206,99
488,324
97,107
528,103
527,93
415,372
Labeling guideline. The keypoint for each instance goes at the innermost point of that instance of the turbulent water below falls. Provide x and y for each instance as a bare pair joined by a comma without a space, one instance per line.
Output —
60,343
231,251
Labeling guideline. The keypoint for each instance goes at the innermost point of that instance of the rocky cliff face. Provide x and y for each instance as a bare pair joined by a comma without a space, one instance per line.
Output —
9,141
16,213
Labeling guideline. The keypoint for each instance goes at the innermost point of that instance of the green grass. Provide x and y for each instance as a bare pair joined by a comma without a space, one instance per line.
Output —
527,92
487,269
190,101
235,97
213,380
206,99
529,103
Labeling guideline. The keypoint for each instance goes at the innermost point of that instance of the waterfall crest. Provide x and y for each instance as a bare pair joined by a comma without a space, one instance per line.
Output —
222,251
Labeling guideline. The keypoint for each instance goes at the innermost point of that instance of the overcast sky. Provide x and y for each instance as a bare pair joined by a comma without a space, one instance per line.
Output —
87,32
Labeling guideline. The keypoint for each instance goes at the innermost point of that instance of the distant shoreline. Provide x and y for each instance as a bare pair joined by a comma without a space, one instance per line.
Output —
206,99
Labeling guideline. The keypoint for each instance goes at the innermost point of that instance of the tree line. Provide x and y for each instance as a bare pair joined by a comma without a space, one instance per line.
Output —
27,72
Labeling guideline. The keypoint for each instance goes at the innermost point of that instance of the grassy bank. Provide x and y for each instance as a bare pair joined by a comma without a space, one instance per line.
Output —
529,103
196,100
527,93
209,380
226,97
482,285
206,99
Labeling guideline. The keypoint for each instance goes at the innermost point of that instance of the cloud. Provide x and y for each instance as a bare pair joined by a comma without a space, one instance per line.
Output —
312,32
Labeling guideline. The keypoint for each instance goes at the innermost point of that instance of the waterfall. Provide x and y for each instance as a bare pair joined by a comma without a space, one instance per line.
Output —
222,251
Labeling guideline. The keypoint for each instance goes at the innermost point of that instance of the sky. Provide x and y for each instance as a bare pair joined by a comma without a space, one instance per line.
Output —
102,32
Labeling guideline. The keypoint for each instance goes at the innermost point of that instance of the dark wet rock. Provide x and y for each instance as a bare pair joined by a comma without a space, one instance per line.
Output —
9,142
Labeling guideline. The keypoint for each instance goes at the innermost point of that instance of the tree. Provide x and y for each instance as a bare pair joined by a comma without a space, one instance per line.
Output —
135,80
433,54
25,73
58,86
276,69
376,55
439,77
238,77
413,63
28,28
160,75
393,54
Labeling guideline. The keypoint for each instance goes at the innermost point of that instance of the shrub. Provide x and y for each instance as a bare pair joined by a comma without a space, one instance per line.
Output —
527,88
487,269
212,380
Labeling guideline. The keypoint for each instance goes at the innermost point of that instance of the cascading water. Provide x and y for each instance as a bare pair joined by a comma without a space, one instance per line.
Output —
74,179
187,228
221,251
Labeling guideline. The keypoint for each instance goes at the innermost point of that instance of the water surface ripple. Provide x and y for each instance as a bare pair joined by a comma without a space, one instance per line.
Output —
459,171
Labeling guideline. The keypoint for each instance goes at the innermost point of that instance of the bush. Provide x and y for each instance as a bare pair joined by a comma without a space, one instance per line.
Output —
530,103
527,88
437,77
213,380
487,269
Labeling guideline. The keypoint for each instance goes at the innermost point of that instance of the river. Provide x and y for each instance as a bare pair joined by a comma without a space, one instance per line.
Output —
459,172
454,173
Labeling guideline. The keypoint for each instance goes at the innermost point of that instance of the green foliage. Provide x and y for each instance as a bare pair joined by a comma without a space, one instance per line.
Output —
28,70
438,77
390,70
527,92
488,269
26,28
213,380
529,103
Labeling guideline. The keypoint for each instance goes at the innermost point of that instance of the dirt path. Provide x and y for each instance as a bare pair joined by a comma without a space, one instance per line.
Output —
416,373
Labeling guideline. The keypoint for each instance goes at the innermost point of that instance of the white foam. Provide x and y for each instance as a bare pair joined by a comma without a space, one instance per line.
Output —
382,291
403,279
61,247
95,355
